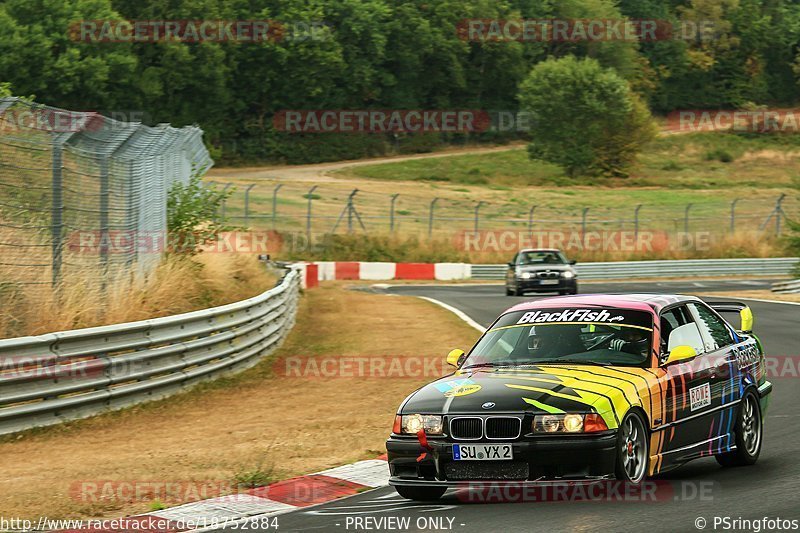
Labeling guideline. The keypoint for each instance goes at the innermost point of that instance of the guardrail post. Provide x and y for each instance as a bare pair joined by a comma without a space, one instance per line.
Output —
247,204
310,196
733,215
477,209
391,212
275,204
430,216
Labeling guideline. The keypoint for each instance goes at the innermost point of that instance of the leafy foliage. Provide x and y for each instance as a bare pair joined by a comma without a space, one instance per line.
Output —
382,54
585,117
193,219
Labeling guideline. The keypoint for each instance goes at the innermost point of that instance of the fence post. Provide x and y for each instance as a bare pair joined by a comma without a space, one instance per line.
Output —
430,217
224,201
686,219
530,221
57,211
247,204
104,227
477,209
391,212
636,223
350,211
275,204
733,215
778,214
310,195
583,222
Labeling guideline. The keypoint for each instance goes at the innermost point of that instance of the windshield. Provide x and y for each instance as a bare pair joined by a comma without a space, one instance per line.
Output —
566,335
541,257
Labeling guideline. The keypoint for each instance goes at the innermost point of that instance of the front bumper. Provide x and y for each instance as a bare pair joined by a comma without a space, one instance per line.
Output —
536,459
536,285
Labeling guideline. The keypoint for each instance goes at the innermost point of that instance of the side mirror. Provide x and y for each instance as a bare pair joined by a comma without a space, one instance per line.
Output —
454,358
573,262
747,320
511,264
680,353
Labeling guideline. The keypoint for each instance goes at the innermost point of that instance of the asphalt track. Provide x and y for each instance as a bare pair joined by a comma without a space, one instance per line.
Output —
771,488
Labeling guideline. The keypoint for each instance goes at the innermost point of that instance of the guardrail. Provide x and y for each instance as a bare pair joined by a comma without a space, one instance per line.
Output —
787,286
48,379
781,266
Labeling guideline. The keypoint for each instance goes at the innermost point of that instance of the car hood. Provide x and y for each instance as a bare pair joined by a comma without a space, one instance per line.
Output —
535,389
540,268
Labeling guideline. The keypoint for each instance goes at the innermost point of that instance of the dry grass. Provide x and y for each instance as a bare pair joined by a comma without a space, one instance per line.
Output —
177,285
500,246
293,425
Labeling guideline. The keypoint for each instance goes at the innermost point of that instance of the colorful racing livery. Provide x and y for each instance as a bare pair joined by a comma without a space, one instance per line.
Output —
584,387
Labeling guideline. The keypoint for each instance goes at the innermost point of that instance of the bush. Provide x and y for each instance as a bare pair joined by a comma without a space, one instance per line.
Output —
719,155
192,216
584,117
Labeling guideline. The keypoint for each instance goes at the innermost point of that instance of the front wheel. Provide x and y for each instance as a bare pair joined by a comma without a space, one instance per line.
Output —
749,428
420,494
632,452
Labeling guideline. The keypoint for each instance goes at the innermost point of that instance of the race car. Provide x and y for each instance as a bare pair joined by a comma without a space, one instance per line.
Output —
586,387
540,270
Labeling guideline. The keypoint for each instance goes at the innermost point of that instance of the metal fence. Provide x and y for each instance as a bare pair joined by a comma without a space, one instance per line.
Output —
334,208
73,182
777,266
56,377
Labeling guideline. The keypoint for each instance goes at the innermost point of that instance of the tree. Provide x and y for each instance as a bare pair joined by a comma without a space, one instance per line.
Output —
585,117
192,216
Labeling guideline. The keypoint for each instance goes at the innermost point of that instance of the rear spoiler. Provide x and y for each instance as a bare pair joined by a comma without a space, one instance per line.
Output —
736,307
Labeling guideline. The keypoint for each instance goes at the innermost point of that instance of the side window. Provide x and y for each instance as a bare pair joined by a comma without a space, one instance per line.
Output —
713,326
679,329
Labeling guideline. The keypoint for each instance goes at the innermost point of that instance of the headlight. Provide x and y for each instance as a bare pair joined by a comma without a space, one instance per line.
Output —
568,423
526,275
569,274
411,424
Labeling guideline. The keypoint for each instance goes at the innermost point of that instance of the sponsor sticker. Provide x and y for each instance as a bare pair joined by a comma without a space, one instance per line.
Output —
463,390
700,396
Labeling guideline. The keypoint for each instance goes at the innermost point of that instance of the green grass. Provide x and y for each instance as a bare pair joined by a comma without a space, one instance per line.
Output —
693,161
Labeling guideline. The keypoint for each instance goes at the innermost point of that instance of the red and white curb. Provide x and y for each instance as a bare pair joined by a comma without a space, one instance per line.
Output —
271,500
379,271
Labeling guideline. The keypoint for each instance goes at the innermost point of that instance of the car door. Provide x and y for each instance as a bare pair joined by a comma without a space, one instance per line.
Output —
720,341
688,418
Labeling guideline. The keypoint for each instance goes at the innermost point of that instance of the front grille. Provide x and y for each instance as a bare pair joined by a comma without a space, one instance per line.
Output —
466,428
468,470
548,274
503,427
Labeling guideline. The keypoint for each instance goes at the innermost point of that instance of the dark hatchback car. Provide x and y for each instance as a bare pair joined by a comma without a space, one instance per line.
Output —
541,270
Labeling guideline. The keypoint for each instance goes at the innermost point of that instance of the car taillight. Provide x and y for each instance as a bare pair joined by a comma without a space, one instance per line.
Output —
594,422
397,427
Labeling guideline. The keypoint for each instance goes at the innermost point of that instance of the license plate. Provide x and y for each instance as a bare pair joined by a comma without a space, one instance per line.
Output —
549,282
482,452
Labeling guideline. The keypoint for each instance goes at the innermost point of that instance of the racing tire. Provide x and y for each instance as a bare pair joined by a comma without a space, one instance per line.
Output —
749,432
420,494
632,449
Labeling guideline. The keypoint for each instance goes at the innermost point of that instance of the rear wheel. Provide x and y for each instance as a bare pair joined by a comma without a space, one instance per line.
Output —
420,494
749,427
632,453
